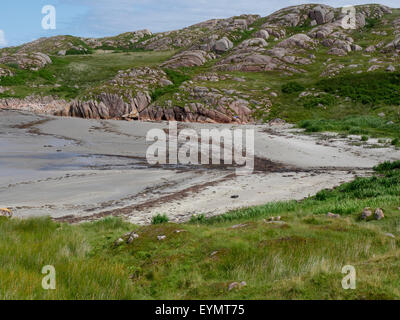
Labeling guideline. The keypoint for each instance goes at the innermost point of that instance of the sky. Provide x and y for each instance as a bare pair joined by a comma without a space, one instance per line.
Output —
21,20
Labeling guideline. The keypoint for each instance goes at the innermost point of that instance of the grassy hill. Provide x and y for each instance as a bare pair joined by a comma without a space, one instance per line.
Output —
352,84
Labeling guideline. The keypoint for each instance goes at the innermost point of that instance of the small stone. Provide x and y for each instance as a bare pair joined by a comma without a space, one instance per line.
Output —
238,285
132,236
119,241
366,213
236,226
5,212
161,237
391,68
391,235
233,285
213,253
275,222
179,231
332,215
234,196
379,214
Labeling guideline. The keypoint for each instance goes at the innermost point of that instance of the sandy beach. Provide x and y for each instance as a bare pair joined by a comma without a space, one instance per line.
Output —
77,170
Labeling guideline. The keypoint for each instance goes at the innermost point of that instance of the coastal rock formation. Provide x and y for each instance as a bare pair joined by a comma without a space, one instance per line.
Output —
33,103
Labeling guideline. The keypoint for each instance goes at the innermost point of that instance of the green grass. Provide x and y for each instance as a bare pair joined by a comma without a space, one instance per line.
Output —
376,88
176,77
357,125
78,73
302,259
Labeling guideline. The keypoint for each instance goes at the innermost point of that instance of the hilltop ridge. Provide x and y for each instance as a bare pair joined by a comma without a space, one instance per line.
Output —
222,70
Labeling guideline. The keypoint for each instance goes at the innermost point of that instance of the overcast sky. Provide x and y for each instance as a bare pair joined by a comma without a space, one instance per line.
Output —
21,20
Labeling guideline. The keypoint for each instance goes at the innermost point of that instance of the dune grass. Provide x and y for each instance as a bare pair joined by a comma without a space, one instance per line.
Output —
300,259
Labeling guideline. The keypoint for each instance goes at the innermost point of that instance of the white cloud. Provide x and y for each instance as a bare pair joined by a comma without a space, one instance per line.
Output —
3,41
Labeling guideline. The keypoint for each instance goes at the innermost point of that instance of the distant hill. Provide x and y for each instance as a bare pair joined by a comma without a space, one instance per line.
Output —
297,63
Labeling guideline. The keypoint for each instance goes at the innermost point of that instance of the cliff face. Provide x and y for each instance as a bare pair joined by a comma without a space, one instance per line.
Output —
221,69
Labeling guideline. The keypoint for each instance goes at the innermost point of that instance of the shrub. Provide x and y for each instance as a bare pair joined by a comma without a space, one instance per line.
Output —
371,88
72,51
198,218
159,219
312,102
387,166
292,87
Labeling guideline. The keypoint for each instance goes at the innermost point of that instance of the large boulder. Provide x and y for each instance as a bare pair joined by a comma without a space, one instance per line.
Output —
263,34
299,40
223,45
321,14
254,42
247,62
393,45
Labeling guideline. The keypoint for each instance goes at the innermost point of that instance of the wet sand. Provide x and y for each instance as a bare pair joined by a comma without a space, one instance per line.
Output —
77,170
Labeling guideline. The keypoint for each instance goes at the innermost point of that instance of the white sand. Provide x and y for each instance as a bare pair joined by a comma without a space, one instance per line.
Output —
73,167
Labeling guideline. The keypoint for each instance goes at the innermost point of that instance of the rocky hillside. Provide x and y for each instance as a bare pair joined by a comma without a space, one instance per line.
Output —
241,69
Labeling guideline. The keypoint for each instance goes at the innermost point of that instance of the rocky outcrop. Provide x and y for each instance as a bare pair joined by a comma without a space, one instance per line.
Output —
107,106
223,45
253,42
193,112
248,62
4,72
189,58
28,61
124,40
263,34
393,45
322,14
201,36
299,40
37,104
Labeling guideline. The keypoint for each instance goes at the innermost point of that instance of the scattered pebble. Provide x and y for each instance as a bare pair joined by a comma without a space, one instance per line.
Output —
161,237
379,214
366,213
238,226
234,197
179,231
213,253
238,285
132,236
119,241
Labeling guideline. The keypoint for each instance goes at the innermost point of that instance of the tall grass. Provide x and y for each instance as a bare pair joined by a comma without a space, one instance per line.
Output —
299,259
